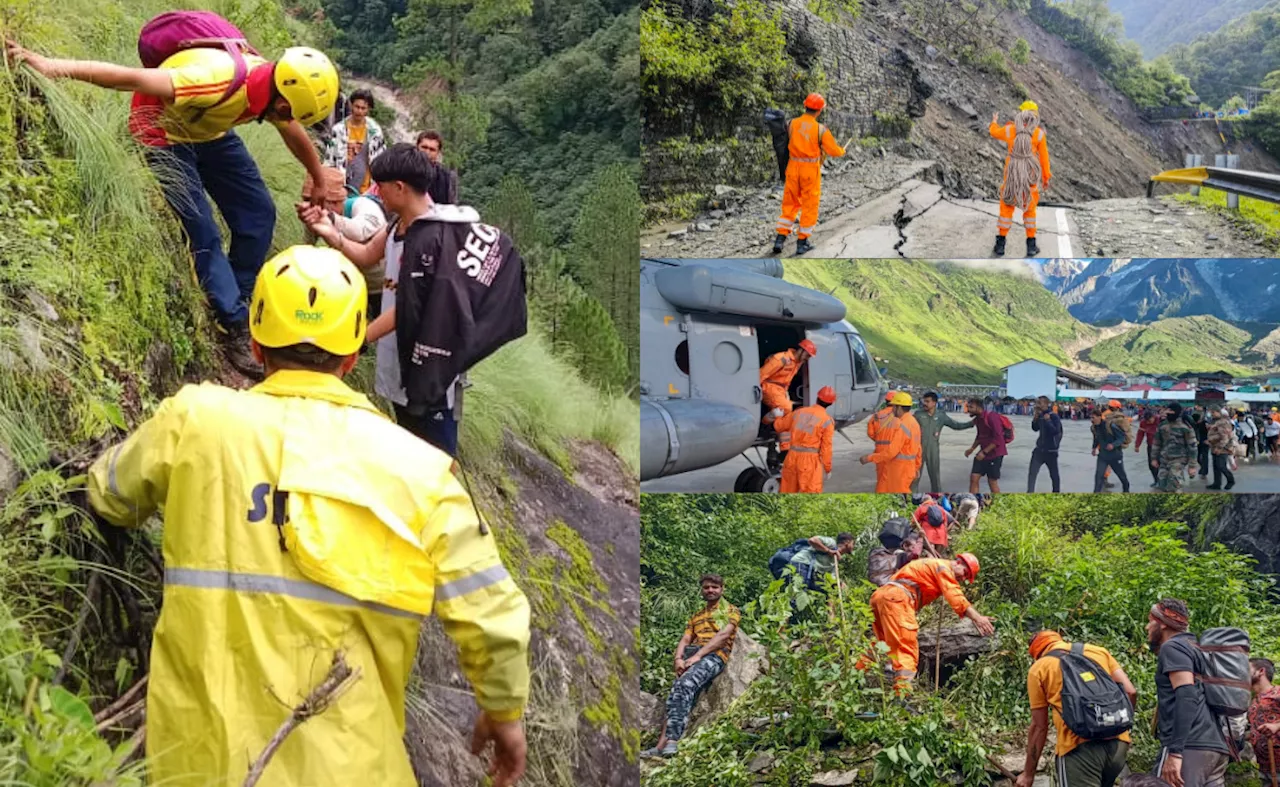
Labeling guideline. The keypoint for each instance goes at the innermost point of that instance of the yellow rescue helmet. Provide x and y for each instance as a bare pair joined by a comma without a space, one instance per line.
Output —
308,81
1031,105
309,295
901,399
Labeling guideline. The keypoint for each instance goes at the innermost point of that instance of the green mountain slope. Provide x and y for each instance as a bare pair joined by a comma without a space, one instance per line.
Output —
1242,53
934,323
1159,24
1177,345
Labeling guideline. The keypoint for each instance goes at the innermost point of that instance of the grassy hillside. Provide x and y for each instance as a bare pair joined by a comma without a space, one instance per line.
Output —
1089,566
948,323
1178,345
100,318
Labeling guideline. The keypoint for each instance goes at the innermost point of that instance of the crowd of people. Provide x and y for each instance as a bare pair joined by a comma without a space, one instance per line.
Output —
1206,708
296,507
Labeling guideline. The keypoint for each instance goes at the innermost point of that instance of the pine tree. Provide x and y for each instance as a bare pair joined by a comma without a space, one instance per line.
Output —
605,253
515,212
591,339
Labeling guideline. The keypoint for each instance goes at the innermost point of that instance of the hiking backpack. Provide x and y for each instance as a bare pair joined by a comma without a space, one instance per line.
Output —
894,532
177,31
778,563
1093,705
1126,425
776,121
1227,687
1008,428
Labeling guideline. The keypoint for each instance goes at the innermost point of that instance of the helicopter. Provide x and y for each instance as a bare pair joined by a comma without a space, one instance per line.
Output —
706,328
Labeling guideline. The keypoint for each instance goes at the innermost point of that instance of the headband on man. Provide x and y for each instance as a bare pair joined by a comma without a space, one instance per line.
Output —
1170,617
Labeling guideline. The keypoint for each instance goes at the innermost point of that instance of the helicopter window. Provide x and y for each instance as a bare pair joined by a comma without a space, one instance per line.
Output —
682,356
863,370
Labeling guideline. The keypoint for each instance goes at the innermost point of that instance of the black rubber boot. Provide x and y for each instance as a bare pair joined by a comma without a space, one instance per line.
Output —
778,241
235,345
1032,248
999,249
803,246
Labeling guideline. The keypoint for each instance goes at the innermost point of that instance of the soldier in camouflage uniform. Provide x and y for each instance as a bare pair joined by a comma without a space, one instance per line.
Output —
1174,450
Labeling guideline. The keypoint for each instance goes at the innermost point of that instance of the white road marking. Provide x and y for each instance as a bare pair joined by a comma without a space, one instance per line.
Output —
1064,235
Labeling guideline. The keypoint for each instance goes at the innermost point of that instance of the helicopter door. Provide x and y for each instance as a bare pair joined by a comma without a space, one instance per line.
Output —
831,367
723,365
866,380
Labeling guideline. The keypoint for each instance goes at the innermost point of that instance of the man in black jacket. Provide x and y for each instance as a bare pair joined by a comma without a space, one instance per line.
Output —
1046,422
1193,751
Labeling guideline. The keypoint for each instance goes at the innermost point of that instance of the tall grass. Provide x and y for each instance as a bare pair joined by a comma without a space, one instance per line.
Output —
539,397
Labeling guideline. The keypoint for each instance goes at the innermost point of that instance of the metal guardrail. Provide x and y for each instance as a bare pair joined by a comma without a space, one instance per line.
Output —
1258,185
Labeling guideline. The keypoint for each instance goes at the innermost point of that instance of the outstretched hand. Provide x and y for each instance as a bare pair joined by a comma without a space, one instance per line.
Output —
509,748
995,117
983,624
18,54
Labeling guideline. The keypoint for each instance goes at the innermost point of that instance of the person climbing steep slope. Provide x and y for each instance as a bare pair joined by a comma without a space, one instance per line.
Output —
1026,173
186,103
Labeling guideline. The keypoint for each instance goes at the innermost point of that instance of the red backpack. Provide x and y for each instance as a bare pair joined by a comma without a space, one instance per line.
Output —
1008,428
177,31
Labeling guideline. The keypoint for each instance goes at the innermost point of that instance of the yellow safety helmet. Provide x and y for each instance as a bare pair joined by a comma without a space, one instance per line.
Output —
901,399
309,295
309,82
1031,105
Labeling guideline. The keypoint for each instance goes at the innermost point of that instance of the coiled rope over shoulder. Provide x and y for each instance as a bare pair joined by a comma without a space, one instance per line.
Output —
1023,169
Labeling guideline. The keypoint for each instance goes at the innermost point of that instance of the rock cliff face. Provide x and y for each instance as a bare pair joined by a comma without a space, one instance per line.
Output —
1250,524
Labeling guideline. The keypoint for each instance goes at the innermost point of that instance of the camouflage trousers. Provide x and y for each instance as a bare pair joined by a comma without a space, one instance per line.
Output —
1170,474
685,691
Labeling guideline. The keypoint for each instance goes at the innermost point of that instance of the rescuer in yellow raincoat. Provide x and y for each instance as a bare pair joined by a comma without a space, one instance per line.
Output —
298,521
808,141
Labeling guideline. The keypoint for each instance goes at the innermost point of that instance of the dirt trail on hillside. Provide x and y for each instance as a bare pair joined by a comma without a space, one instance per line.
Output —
401,130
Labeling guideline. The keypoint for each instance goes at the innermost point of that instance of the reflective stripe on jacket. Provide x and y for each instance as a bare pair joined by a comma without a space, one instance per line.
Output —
378,533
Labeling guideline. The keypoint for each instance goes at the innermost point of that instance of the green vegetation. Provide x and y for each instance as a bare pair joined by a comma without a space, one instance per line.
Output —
1088,566
1200,343
945,322
835,10
1260,216
1091,27
1020,52
1159,24
1240,54
546,90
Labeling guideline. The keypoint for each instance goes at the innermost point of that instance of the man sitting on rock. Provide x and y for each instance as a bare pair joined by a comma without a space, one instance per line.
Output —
701,655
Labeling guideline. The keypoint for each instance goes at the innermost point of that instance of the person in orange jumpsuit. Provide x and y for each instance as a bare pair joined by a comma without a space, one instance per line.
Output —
913,587
808,141
881,417
898,455
776,376
1026,172
811,429
933,520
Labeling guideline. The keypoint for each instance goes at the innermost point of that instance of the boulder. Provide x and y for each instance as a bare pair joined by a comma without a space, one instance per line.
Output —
678,233
724,191
834,778
703,226
747,663
652,712
1247,525
761,762
931,52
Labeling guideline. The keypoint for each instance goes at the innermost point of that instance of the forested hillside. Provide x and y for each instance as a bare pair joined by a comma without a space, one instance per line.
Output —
1242,54
1159,24
101,318
1089,566
538,102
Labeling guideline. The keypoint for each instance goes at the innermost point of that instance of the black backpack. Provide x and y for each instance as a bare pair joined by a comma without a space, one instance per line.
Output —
894,532
778,563
1093,705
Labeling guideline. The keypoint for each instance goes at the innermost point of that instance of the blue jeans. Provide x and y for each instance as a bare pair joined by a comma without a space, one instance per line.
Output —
228,173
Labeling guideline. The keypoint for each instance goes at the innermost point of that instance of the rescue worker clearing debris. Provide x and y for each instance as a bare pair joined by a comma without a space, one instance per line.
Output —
897,455
1073,679
931,421
186,102
808,141
1175,450
809,432
702,654
911,589
776,376
1193,750
1026,173
298,522
899,545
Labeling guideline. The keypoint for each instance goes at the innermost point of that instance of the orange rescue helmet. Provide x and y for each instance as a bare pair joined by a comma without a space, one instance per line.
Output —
1114,404
814,101
808,347
1041,642
827,395
970,561
888,395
